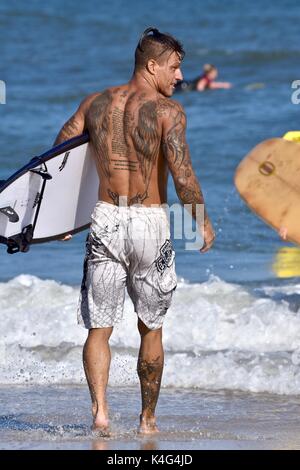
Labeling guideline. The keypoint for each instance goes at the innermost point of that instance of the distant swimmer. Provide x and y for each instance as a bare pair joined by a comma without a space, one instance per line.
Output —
206,81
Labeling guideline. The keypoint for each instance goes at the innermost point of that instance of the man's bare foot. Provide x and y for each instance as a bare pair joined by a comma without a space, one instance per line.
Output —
100,427
148,425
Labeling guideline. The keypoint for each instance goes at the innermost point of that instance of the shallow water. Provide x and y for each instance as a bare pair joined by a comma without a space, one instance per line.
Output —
187,420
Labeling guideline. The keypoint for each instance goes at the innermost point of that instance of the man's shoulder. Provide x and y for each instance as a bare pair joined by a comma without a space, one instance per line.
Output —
115,90
88,100
168,107
105,95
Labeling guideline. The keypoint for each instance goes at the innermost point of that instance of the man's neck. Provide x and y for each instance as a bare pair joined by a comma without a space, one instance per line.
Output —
144,81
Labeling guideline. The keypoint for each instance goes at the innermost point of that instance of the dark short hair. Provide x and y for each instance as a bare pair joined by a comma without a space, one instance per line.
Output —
153,44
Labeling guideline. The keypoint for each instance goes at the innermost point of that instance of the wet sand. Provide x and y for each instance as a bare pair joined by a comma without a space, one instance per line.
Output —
59,418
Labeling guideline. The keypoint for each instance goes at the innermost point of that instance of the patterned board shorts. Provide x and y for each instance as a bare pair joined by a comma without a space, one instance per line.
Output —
127,247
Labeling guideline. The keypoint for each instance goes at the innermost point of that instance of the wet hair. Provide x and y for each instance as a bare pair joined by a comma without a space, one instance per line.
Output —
153,45
208,68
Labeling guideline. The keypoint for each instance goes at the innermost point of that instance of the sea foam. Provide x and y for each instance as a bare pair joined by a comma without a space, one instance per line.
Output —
217,335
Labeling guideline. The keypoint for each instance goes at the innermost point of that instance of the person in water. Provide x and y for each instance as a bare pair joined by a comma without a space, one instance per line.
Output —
206,81
138,134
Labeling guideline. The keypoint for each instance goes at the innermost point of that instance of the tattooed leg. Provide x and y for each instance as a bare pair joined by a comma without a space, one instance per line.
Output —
150,368
96,362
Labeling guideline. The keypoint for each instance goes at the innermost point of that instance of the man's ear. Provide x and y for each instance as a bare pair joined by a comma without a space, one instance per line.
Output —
152,66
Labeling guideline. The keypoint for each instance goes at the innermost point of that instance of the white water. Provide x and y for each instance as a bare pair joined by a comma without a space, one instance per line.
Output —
216,336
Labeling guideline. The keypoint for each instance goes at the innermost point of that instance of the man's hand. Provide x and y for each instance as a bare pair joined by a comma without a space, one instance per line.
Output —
283,233
66,238
209,236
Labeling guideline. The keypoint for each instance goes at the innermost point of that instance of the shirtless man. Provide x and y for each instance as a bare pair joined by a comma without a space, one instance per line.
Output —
138,134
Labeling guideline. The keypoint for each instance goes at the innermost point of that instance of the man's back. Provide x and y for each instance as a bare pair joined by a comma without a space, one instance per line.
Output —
125,128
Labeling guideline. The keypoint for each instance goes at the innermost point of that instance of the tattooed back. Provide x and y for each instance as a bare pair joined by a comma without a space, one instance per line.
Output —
126,130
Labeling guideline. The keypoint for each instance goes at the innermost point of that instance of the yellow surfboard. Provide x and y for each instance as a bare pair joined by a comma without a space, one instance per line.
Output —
287,262
294,136
268,179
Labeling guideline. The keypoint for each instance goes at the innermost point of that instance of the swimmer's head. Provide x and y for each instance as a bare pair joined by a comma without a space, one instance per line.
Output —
210,71
158,58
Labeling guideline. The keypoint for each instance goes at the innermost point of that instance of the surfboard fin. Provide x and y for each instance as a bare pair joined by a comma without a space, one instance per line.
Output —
21,241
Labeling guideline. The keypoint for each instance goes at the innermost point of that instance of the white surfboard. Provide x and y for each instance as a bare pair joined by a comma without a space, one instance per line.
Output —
54,194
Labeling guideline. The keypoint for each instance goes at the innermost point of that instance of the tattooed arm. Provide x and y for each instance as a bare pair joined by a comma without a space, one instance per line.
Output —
76,124
176,152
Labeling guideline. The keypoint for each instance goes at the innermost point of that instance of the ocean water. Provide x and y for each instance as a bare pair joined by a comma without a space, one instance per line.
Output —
233,325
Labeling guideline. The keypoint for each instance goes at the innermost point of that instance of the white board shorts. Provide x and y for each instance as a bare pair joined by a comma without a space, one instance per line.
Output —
127,247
